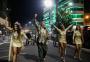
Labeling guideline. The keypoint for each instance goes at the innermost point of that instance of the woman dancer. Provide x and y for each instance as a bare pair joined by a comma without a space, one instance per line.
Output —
62,41
77,40
16,42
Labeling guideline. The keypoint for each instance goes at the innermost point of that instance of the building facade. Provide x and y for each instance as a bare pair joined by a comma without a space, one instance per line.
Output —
73,9
49,15
64,11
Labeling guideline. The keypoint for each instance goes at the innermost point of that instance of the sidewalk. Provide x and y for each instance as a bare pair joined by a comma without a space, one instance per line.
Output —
4,39
83,49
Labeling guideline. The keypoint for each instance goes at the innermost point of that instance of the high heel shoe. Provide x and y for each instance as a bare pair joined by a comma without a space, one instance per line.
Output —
75,57
80,59
62,59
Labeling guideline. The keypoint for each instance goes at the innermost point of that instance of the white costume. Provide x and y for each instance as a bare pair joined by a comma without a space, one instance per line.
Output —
62,37
77,36
15,42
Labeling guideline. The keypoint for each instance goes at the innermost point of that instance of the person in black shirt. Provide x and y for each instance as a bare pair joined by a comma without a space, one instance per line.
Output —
29,38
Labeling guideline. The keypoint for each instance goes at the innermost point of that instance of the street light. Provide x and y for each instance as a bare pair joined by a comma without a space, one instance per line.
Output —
48,3
29,22
87,17
0,32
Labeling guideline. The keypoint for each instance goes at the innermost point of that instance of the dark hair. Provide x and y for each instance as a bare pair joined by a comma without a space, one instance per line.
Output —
18,30
62,27
42,25
78,28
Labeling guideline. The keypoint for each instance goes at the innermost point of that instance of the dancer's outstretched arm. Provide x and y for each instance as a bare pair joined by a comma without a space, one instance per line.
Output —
57,28
37,25
68,27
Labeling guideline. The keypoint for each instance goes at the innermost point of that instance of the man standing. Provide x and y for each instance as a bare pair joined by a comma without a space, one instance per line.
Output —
28,40
41,41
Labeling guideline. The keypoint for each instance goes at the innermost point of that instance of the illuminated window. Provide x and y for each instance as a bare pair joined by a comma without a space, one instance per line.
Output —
77,9
76,15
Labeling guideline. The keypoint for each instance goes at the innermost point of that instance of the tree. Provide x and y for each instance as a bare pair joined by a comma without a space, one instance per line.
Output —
63,17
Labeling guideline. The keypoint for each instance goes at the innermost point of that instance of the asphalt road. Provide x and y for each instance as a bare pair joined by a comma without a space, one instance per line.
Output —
30,54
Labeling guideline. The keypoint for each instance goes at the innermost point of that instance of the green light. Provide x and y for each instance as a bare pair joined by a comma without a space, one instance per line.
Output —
77,15
70,4
48,3
50,16
77,23
77,9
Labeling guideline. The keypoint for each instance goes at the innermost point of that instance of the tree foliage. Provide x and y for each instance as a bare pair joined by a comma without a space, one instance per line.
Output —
63,17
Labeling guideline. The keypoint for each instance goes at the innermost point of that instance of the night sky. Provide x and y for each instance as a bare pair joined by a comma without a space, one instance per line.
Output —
23,10
87,6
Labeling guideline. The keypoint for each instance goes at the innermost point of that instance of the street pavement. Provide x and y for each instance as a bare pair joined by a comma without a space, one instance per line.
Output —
4,39
30,54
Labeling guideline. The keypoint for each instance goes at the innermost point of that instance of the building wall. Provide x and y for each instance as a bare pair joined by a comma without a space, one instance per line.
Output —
3,22
75,11
49,15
